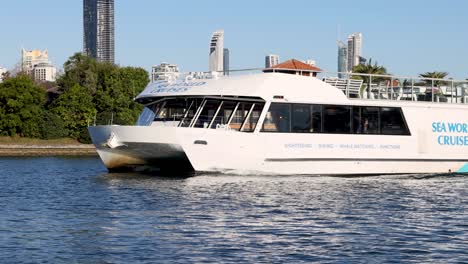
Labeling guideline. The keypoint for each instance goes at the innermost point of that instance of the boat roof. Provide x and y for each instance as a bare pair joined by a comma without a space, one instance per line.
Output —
267,86
270,86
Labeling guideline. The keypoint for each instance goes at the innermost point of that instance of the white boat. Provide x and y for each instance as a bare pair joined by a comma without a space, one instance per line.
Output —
275,123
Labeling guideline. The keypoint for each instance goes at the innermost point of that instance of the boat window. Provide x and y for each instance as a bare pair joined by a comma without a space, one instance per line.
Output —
241,113
392,121
207,113
278,118
173,110
190,114
316,119
225,112
337,119
146,117
148,114
366,120
252,119
301,118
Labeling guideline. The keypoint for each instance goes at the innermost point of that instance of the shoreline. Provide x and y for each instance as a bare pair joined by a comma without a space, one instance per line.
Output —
37,150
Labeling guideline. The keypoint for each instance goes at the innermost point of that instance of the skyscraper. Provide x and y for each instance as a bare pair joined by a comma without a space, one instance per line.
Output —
342,59
271,60
98,22
226,61
354,50
216,51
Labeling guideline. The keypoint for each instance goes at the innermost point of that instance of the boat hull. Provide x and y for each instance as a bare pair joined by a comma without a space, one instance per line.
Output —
136,149
174,149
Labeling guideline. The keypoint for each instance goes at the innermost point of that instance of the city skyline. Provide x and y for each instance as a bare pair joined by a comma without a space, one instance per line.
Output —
407,41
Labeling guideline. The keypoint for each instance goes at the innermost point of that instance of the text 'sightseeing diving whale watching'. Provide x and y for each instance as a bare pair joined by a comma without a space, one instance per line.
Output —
273,122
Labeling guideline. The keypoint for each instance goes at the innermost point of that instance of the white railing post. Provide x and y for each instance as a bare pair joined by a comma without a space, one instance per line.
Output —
348,82
456,92
391,89
432,89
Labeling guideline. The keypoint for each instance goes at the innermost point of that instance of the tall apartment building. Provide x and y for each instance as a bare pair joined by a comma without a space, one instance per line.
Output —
354,50
342,59
31,58
271,60
226,61
37,64
216,51
98,24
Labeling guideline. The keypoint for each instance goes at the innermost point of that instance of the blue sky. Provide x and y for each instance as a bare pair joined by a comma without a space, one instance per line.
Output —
407,37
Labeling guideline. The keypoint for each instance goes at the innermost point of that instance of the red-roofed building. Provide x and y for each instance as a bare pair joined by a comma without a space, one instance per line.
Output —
295,67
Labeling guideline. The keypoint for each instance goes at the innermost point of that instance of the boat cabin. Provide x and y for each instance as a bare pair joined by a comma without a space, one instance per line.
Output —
272,103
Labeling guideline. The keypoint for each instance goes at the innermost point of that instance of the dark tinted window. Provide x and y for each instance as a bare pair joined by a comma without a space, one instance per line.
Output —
301,118
316,118
337,119
392,121
366,120
278,118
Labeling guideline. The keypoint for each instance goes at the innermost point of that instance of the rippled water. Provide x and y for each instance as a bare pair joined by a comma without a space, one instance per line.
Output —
71,210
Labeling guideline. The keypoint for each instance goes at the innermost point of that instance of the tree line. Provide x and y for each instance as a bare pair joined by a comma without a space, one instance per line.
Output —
87,92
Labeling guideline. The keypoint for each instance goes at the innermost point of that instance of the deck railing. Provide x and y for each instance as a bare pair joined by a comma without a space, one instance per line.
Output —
418,89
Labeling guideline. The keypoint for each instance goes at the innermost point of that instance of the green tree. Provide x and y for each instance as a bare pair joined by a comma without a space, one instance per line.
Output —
75,107
53,126
81,70
370,68
112,88
21,107
434,75
116,92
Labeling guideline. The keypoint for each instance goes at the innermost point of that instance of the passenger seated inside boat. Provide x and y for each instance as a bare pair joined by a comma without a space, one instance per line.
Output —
363,126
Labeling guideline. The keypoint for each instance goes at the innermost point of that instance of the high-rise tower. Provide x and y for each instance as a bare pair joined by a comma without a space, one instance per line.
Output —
354,50
342,59
217,51
98,22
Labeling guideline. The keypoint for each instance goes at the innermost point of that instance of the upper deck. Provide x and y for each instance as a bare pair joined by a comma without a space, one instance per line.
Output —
326,87
266,86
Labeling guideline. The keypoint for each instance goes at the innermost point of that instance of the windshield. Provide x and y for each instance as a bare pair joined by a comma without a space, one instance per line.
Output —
213,113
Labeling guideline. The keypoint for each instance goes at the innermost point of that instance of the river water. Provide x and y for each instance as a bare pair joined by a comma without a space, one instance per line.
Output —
70,210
